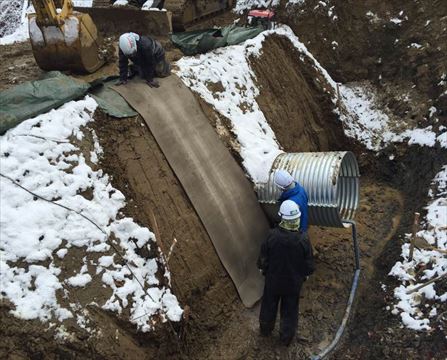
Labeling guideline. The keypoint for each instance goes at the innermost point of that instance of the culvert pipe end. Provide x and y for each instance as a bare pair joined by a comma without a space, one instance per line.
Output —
331,180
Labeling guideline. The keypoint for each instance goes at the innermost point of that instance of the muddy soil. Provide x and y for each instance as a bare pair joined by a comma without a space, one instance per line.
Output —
374,332
398,46
216,325
217,320
17,65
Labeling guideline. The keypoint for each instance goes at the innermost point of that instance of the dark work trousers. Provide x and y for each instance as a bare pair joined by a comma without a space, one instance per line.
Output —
162,69
289,307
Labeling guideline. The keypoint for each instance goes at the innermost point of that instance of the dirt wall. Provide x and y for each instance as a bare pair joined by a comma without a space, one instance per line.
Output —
398,46
293,99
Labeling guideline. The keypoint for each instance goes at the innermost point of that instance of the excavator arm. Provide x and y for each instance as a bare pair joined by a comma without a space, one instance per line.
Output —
46,11
64,39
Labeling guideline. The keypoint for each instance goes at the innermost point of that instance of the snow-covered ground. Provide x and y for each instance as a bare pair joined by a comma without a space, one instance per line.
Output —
368,124
242,5
14,15
230,68
10,15
418,310
43,155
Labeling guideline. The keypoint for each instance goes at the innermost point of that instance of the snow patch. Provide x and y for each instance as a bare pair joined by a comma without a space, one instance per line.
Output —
243,5
16,23
431,262
224,79
365,122
41,155
83,3
121,3
79,280
369,125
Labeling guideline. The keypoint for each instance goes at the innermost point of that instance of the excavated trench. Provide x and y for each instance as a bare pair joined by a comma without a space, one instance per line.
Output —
216,325
217,318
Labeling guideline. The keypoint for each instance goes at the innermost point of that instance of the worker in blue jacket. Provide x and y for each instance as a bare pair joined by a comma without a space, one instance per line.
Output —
295,192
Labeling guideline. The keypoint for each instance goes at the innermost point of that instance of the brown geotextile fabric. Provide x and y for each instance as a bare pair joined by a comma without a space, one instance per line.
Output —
216,185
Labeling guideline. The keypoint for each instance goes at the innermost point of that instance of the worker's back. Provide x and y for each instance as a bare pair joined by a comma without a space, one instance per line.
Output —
288,257
150,49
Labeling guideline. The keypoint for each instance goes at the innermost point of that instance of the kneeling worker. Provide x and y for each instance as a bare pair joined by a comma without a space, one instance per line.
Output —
285,260
147,56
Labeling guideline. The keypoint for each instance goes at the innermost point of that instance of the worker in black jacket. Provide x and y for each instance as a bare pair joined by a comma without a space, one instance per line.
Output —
147,56
286,261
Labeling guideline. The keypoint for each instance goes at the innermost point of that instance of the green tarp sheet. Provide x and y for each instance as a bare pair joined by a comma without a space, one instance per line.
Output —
201,41
110,101
54,89
32,98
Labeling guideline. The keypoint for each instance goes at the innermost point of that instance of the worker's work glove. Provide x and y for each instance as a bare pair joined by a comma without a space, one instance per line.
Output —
121,82
153,83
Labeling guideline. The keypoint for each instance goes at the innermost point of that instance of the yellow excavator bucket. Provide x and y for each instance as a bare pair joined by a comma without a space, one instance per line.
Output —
70,46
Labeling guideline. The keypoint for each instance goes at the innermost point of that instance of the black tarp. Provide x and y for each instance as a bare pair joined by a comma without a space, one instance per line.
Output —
202,41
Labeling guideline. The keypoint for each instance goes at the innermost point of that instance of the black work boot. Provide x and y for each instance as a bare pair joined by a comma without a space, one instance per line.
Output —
266,328
286,341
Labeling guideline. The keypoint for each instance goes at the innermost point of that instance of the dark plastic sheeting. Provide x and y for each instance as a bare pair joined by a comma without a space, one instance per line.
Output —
202,41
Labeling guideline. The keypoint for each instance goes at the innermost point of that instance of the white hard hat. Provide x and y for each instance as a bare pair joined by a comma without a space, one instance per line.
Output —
283,179
289,210
128,43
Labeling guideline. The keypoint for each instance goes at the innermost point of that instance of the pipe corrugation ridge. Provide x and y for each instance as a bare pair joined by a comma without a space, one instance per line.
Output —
331,180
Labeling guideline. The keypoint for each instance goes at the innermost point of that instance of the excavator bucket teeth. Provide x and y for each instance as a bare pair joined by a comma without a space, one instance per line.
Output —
117,20
73,46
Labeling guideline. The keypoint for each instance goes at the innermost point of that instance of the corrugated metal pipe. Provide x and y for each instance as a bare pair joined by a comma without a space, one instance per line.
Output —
331,180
